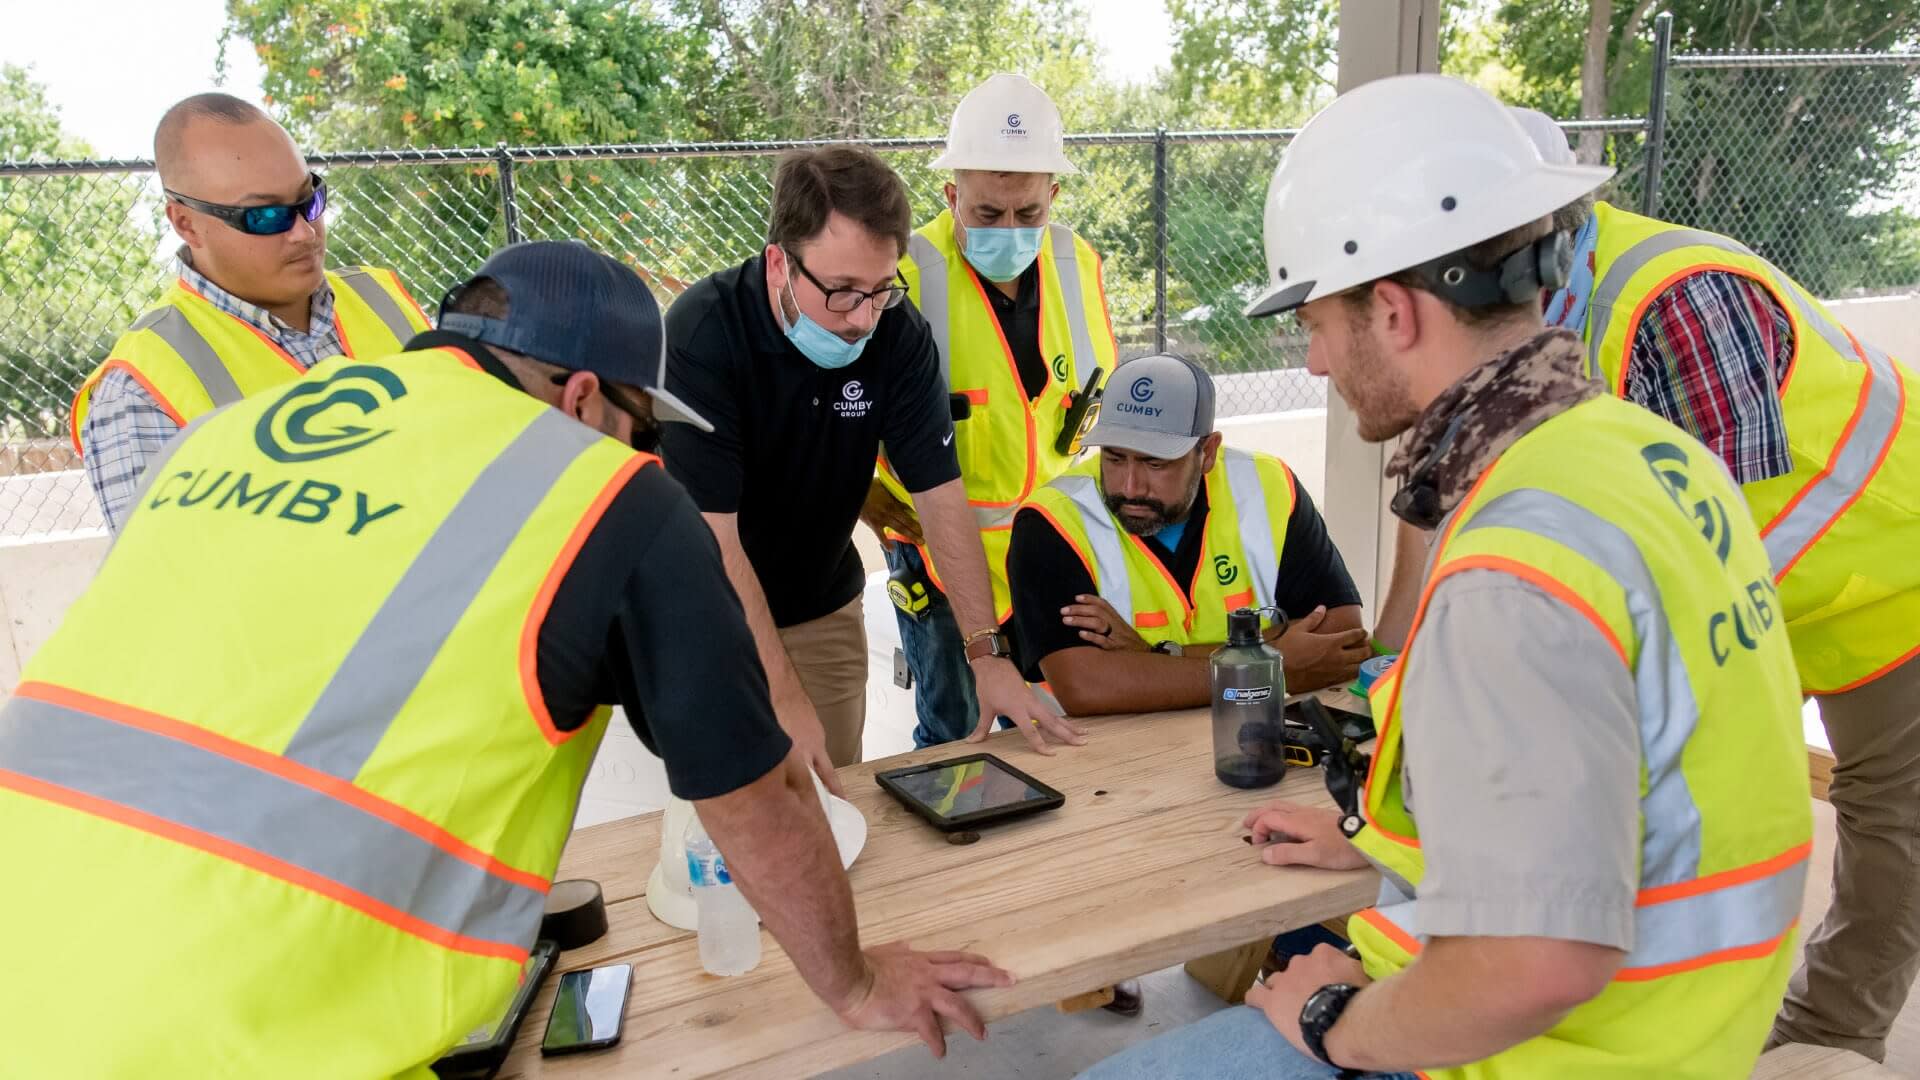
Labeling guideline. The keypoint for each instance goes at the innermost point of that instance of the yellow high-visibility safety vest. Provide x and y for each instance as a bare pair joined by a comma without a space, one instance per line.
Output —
1006,444
1249,500
1637,527
1843,527
193,357
309,829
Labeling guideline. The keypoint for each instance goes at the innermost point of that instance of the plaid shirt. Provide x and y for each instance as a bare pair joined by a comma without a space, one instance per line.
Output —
126,428
1709,357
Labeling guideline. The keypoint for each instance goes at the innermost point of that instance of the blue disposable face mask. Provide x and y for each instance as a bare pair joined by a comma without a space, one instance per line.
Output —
1003,254
817,343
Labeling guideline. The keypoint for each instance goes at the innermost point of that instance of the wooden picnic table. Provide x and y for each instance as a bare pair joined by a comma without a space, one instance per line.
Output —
1144,867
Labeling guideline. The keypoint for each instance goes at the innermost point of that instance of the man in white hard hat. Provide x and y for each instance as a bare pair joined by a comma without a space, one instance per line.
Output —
1019,320
1588,801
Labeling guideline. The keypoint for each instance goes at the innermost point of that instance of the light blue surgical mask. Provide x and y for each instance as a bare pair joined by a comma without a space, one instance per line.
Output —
825,348
1003,254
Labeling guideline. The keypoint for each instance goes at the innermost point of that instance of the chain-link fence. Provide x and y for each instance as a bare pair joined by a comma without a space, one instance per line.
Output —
1802,156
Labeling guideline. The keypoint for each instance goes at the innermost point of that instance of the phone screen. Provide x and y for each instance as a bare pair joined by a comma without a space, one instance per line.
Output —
968,787
587,1008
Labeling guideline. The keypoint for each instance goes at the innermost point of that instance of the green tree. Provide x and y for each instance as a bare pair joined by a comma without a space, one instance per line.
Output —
80,256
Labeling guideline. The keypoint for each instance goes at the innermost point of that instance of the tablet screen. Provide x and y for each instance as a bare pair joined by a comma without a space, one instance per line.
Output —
968,787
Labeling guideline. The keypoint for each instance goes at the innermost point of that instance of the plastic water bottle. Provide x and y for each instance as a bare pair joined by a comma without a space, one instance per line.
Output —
1249,688
729,929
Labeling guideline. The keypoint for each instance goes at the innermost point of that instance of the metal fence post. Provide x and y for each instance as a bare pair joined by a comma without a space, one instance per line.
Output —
1657,113
1160,240
508,210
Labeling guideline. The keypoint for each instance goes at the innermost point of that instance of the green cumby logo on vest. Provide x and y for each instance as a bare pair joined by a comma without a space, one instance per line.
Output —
312,420
318,420
1224,571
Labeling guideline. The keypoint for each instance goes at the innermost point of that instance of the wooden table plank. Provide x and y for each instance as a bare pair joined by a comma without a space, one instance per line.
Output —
1145,866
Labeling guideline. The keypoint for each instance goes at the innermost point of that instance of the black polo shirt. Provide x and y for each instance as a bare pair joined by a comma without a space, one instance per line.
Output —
1044,574
646,617
793,446
1019,318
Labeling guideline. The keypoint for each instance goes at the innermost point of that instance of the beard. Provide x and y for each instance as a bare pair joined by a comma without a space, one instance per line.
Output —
1162,514
1377,393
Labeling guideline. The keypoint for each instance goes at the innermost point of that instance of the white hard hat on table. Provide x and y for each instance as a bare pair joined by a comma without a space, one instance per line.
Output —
1395,174
1007,124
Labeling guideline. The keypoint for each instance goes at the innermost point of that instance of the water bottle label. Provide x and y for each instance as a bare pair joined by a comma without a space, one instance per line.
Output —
1246,695
704,872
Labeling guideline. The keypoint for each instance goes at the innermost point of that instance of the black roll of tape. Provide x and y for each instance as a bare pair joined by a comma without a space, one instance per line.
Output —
576,913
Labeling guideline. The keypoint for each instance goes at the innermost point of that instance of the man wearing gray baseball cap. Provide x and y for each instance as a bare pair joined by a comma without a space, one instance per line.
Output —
402,592
1124,568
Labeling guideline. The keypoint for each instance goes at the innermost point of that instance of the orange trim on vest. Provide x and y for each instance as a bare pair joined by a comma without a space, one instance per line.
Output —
1149,620
73,414
1540,579
1186,604
1723,956
543,600
1064,535
977,396
1865,679
340,330
255,331
1724,879
286,769
393,278
1013,368
1846,436
241,855
1639,314
1239,600
1385,926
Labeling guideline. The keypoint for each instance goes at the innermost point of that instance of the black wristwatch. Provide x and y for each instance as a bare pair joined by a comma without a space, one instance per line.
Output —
1320,1013
1169,648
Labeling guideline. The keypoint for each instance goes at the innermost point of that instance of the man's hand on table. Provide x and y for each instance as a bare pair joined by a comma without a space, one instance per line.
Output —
1002,692
1316,658
801,721
1302,836
1285,992
905,990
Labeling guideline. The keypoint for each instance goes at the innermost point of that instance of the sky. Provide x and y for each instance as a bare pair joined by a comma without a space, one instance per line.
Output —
137,56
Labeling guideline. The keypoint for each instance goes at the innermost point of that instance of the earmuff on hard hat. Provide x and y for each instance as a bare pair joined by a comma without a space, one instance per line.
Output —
1547,263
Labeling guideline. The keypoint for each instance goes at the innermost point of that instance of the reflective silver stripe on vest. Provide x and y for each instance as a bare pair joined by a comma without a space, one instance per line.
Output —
1749,914
180,335
384,306
1256,532
1852,467
1853,462
993,517
1670,850
1109,560
227,799
933,299
393,653
1067,265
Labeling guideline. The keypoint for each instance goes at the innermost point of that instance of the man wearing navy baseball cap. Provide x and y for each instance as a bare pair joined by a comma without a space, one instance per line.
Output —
403,592
1124,567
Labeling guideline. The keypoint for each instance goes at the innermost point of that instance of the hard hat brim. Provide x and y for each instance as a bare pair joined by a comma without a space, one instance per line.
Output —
950,159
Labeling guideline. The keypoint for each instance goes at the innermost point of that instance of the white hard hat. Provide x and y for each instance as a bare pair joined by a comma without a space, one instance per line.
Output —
1396,174
1547,136
1007,124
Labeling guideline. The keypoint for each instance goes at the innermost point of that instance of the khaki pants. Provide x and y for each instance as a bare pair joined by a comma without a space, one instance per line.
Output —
1862,959
830,653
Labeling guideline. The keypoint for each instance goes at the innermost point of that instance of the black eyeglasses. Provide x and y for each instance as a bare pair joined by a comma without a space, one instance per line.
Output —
842,301
262,220
646,430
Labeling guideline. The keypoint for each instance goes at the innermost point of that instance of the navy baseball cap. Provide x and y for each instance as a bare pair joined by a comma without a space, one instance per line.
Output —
573,307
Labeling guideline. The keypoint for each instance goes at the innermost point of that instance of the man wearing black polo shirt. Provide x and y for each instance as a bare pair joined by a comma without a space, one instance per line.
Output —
805,360
1124,567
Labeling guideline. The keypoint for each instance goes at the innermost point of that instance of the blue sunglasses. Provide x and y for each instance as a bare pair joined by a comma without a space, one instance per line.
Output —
262,220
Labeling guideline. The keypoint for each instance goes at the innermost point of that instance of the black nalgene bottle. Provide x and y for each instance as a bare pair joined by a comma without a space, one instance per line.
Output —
1249,691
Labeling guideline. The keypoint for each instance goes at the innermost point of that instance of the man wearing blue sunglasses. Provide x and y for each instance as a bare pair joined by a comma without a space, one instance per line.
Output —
253,305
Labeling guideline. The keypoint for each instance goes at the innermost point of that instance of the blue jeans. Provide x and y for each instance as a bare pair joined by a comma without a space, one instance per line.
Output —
943,695
1239,1043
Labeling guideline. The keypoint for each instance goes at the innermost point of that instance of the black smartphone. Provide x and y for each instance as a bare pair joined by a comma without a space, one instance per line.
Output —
587,1009
484,1050
1353,725
967,792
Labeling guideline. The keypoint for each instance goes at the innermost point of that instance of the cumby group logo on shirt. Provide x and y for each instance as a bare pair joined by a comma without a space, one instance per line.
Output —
1141,391
853,401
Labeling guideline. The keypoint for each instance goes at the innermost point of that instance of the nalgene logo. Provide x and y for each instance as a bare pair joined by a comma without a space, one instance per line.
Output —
1246,695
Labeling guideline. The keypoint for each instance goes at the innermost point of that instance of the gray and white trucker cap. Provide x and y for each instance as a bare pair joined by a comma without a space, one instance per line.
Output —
1160,406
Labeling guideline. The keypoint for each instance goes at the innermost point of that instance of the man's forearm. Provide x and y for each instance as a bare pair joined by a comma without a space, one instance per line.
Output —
1089,681
779,847
1464,1000
783,681
947,523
